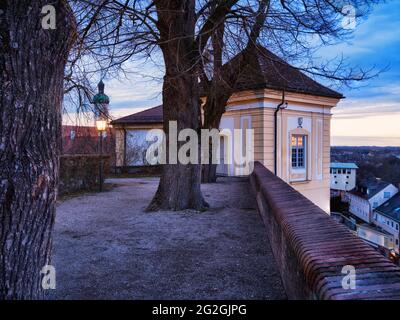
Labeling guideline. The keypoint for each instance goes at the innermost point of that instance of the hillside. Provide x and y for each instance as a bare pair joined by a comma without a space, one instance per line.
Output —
379,162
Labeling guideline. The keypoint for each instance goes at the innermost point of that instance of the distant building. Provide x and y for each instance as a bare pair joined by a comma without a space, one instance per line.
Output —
387,217
85,140
343,176
369,195
376,236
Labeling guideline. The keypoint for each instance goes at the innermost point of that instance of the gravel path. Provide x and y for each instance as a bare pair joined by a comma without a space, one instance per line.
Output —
107,247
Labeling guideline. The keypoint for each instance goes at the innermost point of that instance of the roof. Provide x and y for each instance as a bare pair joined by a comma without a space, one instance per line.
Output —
266,70
85,139
343,165
373,185
152,115
101,97
391,208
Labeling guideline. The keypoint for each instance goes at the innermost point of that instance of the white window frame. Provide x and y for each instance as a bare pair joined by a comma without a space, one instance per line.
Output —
297,148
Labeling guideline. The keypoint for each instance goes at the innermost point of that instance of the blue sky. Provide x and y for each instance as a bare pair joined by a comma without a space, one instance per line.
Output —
370,114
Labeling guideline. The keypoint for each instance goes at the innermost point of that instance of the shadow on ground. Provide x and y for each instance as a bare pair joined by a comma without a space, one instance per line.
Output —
107,247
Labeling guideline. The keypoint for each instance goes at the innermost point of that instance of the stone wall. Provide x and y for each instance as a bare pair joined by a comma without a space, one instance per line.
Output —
81,172
149,170
312,250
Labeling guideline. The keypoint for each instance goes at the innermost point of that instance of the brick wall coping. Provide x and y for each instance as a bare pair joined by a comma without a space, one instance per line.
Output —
311,248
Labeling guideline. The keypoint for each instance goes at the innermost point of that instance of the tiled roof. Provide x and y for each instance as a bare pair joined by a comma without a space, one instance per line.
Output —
391,208
266,70
343,165
373,185
152,115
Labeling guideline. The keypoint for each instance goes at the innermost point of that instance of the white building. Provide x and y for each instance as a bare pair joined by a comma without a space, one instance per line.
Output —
368,196
343,176
375,236
387,217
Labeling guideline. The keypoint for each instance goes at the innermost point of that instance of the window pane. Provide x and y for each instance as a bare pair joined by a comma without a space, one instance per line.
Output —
294,157
298,151
300,141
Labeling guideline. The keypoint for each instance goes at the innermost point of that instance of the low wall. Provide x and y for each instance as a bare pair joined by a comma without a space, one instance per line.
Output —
81,172
311,248
139,170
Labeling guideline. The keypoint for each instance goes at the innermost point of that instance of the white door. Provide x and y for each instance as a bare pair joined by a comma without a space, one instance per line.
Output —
226,166
222,167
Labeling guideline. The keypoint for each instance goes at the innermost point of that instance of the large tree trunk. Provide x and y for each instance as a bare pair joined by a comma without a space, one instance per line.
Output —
32,62
179,186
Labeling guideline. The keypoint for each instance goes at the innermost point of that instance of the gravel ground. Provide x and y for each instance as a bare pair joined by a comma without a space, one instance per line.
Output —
107,247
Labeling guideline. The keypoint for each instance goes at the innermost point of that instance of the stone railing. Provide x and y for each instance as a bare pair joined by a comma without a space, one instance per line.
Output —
315,254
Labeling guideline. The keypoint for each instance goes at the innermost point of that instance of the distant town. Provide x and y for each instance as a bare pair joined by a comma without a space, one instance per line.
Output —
365,196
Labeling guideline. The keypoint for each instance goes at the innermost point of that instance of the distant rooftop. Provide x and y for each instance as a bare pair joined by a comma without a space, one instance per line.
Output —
343,165
373,186
391,208
152,115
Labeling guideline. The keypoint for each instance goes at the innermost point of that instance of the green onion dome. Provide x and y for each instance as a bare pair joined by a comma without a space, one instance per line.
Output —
101,97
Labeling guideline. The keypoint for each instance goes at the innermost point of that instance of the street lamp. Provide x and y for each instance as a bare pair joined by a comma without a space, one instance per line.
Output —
101,126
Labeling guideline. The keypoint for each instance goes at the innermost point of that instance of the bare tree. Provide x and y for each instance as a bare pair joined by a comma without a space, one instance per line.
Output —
294,30
115,32
32,62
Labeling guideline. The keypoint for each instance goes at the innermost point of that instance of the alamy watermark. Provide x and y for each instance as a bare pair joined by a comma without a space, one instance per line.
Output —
49,19
49,277
349,20
349,280
237,147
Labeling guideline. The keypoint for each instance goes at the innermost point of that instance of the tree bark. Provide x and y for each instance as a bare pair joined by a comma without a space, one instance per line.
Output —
225,77
32,62
179,186
217,98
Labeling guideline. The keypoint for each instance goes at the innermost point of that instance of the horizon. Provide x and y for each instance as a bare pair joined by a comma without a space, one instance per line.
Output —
370,113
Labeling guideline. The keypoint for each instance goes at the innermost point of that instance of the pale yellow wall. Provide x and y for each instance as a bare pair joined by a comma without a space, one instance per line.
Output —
315,111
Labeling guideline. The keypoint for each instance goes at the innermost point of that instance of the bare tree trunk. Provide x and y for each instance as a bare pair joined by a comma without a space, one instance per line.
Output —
224,81
179,186
214,108
32,62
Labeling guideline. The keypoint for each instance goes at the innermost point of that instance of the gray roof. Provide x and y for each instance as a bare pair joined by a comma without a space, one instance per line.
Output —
343,165
373,185
391,208
152,115
267,70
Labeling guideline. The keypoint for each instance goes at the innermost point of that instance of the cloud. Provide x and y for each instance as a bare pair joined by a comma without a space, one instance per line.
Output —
365,108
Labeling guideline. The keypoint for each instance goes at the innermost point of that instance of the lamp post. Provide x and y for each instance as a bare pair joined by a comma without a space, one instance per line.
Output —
101,125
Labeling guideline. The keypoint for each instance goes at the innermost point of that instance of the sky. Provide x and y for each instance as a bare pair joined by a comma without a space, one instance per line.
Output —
370,114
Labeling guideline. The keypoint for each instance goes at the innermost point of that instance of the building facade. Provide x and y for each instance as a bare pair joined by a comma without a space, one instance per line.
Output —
387,217
343,176
368,196
376,237
292,140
